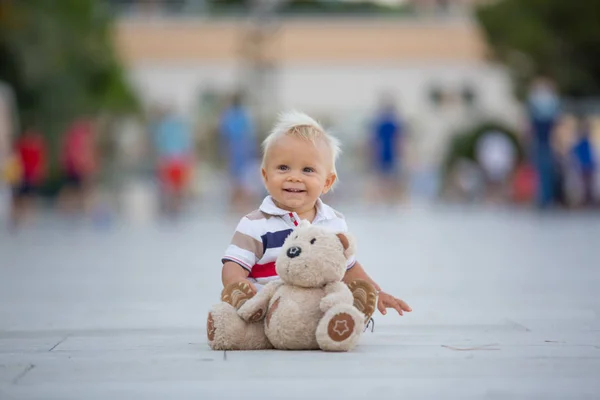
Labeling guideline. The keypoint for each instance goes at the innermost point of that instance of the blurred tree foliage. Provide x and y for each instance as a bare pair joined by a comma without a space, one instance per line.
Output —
58,56
318,7
342,7
559,39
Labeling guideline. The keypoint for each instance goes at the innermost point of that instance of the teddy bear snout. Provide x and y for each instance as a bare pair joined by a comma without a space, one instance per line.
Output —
294,252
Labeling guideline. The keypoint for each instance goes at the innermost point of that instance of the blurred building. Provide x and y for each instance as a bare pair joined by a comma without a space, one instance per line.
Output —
336,68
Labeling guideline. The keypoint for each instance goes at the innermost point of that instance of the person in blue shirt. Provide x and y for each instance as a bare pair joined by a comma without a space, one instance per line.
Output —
238,140
543,106
584,157
387,131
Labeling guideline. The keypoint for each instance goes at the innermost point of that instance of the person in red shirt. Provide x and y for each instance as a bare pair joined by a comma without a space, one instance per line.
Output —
78,163
30,150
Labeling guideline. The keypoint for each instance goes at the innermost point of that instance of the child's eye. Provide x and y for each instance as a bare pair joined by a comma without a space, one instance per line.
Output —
283,168
309,169
313,241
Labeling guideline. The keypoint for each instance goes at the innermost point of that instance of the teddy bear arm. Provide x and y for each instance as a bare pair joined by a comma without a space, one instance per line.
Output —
255,309
336,293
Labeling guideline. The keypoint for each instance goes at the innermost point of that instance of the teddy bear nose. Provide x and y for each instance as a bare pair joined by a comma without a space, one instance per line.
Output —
294,252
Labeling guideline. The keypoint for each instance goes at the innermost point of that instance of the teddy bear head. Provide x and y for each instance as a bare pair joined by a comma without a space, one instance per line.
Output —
312,256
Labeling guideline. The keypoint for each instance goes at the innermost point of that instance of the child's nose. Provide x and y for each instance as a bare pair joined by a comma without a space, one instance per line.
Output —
294,178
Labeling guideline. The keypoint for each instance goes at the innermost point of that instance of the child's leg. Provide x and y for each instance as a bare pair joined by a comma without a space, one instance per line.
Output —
365,297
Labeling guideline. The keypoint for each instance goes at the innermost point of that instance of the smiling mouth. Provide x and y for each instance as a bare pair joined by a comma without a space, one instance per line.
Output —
294,190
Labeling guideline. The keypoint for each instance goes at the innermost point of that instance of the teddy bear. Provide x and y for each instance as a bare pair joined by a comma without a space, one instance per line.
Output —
307,308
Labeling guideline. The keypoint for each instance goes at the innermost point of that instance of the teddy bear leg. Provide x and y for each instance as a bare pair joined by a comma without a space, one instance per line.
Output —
227,331
340,328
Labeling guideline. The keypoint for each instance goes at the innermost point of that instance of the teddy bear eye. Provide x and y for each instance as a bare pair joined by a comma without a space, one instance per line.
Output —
313,241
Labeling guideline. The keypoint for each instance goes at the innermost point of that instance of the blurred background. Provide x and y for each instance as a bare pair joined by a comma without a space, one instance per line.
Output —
130,136
140,109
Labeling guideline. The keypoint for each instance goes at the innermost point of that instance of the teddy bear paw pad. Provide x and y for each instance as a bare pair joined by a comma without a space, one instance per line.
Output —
210,328
365,297
237,294
340,327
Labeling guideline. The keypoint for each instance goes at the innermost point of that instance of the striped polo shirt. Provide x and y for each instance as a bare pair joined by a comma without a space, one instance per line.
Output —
259,237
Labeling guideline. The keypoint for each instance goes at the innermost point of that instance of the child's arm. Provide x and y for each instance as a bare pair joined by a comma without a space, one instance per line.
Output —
358,272
384,300
233,272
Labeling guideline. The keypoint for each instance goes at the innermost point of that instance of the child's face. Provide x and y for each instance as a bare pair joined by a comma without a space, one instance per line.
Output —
297,172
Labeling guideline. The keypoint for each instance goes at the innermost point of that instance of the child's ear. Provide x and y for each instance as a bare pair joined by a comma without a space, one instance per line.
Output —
264,174
329,181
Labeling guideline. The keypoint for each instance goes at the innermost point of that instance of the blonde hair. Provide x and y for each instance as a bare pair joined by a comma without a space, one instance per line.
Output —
301,125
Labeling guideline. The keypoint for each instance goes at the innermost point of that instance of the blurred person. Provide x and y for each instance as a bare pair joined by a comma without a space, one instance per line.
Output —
12,170
543,106
386,149
7,157
585,161
10,174
26,171
560,170
79,164
298,167
238,141
523,185
174,146
466,181
497,156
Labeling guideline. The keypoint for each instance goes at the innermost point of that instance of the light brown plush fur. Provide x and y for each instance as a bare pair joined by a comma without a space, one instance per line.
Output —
309,307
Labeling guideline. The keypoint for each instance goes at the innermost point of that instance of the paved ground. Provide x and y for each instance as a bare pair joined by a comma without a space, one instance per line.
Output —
506,306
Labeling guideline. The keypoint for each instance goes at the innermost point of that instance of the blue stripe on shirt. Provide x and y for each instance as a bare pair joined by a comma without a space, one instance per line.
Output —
274,239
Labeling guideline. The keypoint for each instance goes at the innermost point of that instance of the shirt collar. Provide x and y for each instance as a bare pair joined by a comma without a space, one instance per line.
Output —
323,211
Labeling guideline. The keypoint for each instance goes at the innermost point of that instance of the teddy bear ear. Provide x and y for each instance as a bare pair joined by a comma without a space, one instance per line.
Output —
347,243
344,239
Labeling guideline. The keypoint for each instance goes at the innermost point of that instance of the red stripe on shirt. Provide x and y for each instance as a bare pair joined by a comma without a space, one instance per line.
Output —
263,270
293,219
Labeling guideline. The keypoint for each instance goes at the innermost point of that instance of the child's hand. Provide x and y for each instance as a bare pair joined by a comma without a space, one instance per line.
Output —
386,300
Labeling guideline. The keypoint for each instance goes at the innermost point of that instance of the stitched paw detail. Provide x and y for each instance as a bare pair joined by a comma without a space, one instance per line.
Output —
340,327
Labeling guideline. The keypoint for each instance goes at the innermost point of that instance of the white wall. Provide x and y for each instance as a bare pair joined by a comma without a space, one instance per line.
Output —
346,93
